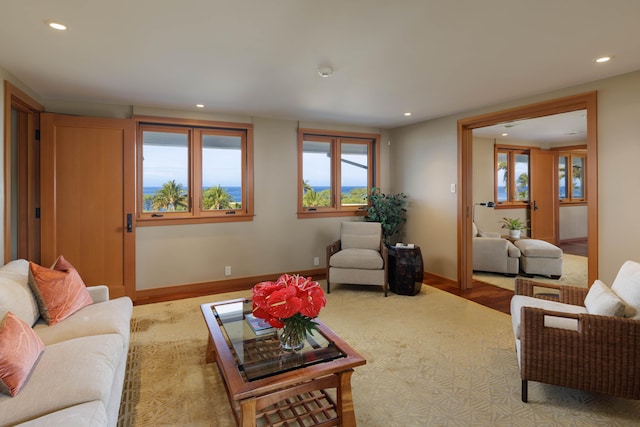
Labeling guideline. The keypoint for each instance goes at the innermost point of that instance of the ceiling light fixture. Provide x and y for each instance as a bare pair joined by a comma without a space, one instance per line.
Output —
407,113
505,134
603,59
200,105
56,25
325,71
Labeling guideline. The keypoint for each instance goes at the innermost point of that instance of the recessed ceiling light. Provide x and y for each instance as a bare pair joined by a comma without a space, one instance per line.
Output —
505,134
56,25
603,59
200,105
325,71
407,113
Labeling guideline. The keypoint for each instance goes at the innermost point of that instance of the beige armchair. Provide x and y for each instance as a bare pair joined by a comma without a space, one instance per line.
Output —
492,253
359,257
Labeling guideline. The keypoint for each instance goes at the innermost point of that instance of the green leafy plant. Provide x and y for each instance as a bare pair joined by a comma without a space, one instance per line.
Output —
389,210
513,223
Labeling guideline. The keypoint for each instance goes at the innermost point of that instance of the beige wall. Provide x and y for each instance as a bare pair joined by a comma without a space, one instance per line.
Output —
424,164
275,241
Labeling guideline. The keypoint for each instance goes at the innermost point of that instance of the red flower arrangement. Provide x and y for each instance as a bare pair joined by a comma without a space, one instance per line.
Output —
291,300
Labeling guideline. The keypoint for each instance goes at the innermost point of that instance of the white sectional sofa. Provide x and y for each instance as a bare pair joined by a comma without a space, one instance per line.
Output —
78,378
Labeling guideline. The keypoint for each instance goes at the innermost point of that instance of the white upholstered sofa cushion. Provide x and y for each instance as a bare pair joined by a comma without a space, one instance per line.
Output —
69,373
15,294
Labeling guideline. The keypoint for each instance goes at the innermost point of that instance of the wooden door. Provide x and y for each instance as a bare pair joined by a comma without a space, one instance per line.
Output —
87,198
544,200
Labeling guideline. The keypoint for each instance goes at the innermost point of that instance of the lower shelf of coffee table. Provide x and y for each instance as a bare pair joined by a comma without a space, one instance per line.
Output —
314,408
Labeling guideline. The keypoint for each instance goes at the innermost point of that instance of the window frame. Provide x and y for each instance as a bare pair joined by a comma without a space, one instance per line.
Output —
511,151
196,129
570,153
336,139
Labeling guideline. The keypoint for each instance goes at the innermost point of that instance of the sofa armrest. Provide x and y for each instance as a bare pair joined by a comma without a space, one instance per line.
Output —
567,294
490,245
332,249
99,293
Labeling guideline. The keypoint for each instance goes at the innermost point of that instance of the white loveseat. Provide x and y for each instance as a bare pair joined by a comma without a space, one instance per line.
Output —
78,378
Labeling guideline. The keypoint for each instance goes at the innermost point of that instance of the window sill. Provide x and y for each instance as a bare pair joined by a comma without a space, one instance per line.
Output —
330,214
151,222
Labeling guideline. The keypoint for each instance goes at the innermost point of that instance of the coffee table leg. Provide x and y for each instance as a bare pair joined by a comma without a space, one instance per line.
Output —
346,412
210,355
248,413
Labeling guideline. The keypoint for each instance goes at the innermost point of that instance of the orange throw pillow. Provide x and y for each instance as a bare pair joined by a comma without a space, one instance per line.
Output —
20,349
60,291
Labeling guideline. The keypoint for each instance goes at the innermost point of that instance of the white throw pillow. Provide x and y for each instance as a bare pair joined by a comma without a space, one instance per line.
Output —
627,287
603,301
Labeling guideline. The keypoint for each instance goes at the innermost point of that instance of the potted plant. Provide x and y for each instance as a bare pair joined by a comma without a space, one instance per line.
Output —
389,210
514,225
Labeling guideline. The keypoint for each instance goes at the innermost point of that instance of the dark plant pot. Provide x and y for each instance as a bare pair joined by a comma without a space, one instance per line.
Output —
406,270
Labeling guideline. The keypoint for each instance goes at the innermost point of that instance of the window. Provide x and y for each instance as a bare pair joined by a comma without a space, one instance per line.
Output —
572,176
194,171
512,175
335,172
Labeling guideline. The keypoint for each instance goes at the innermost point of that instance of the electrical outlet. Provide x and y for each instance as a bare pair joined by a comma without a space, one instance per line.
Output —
227,270
316,260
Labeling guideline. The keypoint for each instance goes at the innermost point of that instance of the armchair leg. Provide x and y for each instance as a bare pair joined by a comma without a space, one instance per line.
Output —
328,287
525,390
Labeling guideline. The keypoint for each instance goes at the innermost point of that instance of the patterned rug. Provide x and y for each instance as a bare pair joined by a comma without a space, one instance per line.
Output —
432,360
574,272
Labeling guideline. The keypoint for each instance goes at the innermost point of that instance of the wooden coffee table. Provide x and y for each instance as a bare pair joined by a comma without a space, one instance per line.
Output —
267,386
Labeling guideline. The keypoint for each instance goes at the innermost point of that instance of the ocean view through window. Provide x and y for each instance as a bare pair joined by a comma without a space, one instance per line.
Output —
194,171
512,175
335,172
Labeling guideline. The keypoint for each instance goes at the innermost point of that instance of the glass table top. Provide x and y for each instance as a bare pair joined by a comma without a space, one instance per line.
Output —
257,348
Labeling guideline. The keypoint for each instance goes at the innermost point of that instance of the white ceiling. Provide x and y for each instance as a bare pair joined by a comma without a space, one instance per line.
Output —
260,57
556,130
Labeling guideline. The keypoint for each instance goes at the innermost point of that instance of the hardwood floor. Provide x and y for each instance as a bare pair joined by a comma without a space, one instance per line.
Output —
576,247
493,296
482,293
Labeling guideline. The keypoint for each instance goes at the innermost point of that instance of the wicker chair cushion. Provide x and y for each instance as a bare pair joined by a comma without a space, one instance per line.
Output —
601,300
627,287
519,301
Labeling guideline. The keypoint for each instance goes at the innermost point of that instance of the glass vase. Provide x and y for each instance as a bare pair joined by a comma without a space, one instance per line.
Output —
292,336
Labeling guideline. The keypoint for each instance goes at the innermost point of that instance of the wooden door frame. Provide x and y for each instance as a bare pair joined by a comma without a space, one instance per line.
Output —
586,101
14,98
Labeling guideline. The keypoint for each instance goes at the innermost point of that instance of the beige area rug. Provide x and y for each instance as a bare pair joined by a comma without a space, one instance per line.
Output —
574,272
432,360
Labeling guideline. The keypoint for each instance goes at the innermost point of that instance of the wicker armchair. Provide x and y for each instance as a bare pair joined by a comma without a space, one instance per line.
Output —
599,354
